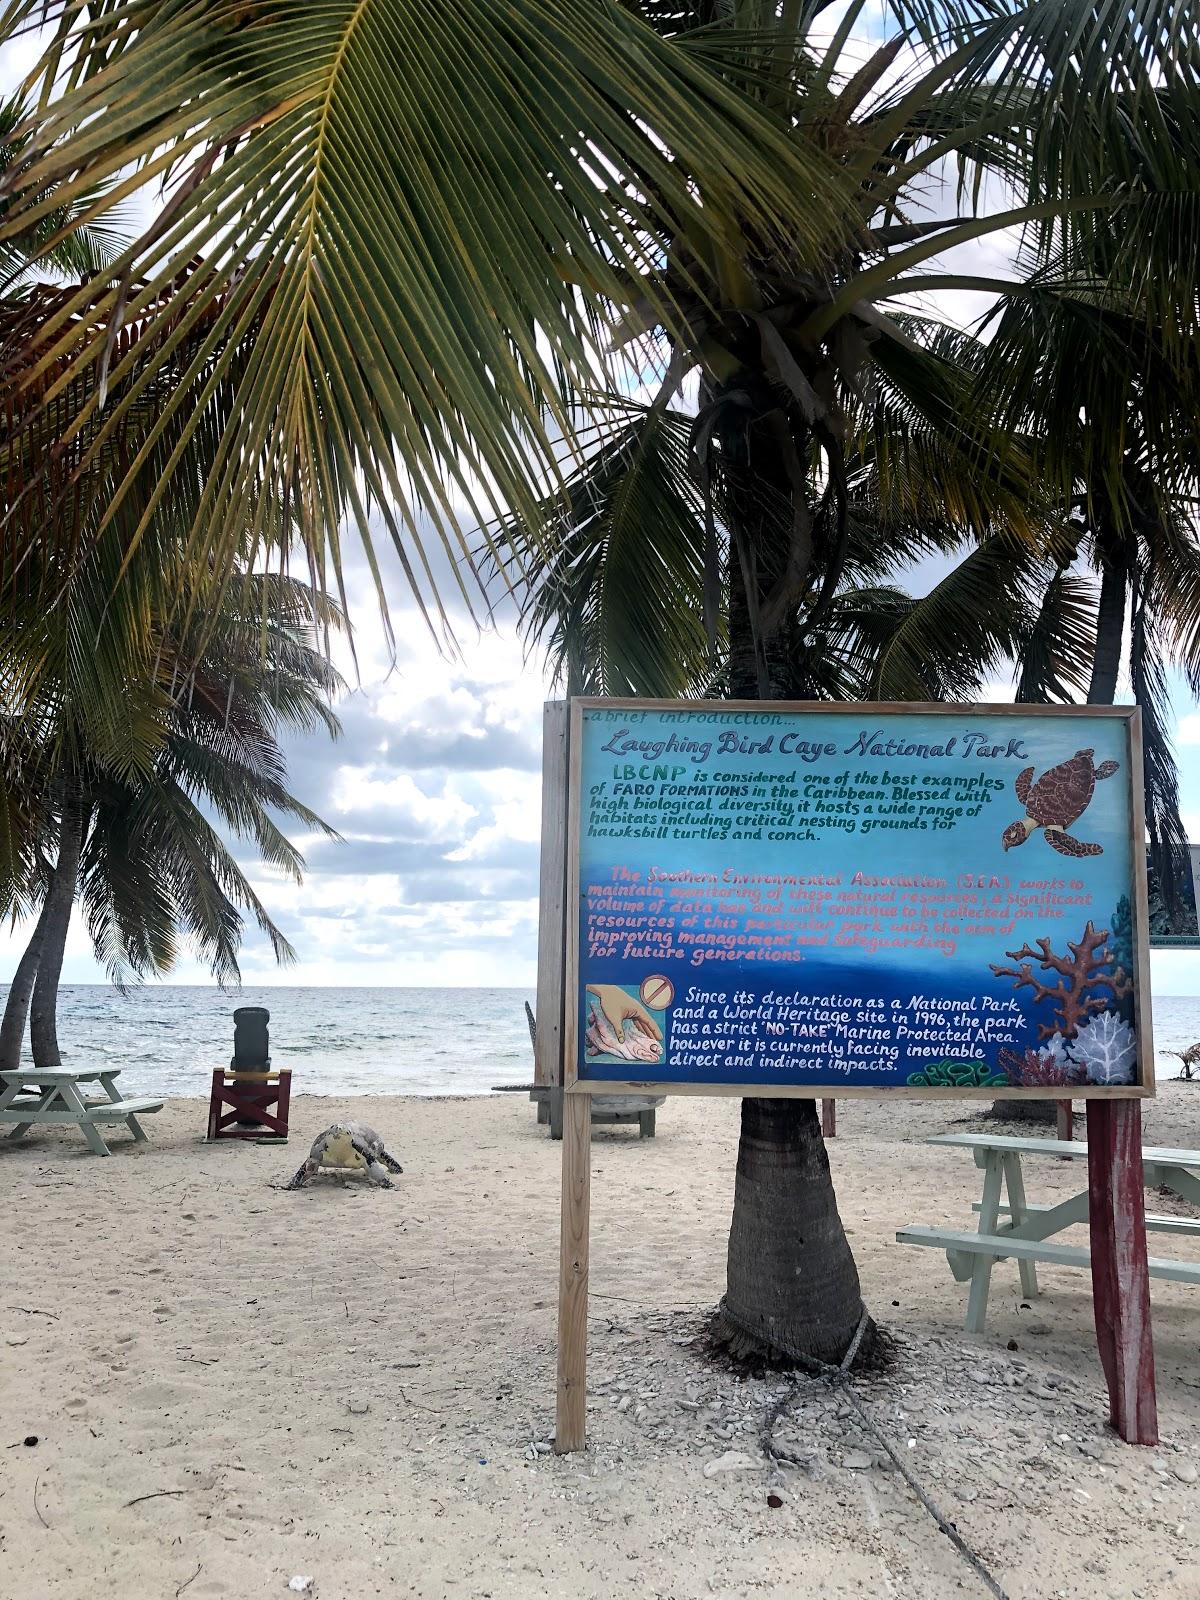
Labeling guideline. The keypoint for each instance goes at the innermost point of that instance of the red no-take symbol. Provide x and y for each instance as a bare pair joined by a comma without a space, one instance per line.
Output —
657,992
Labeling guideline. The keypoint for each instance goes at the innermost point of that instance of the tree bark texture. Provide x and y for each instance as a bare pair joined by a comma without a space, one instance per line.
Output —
771,544
20,992
60,899
1041,1113
792,1283
1110,632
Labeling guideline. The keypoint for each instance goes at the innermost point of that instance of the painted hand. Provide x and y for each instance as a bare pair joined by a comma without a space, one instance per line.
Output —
617,1006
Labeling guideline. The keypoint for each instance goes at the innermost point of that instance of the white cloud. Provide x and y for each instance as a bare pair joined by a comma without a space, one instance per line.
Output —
398,802
435,790
18,58
516,817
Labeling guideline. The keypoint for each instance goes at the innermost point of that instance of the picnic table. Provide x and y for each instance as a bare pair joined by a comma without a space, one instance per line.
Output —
50,1097
1027,1234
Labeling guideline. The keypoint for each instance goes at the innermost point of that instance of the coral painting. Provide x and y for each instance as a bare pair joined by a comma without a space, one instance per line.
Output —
1085,1041
1041,1069
1107,1048
1120,942
957,1075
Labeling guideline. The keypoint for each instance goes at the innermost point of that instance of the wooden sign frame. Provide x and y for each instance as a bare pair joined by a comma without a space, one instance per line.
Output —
1117,1225
1143,1027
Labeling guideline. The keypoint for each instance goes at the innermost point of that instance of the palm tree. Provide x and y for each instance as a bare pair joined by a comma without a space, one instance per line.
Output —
618,605
414,278
1109,396
613,585
65,237
619,609
1106,389
136,847
709,168
124,703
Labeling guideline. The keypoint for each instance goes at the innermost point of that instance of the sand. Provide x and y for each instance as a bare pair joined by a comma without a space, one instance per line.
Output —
233,1386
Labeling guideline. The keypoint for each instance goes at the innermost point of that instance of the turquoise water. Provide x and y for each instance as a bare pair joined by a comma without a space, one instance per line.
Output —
167,1039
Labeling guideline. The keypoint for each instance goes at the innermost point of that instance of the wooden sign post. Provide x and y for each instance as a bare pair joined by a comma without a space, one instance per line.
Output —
766,898
571,1414
1120,1279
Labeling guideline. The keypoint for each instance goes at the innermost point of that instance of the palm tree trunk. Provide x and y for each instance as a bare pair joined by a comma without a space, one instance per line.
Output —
43,1018
1110,631
1041,1113
20,991
792,1285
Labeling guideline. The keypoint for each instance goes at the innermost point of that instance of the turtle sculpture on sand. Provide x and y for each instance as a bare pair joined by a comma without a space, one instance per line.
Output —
1056,800
348,1147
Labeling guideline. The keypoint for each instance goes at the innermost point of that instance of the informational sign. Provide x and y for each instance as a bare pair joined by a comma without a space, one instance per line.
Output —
795,899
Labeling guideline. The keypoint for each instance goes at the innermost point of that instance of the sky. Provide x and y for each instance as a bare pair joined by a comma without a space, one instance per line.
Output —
434,787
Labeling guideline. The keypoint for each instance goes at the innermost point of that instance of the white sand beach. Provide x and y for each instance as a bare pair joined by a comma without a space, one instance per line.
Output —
233,1386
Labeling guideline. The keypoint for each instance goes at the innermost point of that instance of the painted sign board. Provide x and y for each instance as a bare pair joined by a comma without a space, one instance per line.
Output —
790,898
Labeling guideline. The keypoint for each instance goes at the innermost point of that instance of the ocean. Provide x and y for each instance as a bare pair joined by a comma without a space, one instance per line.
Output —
168,1038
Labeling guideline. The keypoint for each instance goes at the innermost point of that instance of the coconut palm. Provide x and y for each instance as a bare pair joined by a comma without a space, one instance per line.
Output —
65,237
620,607
1110,397
414,276
535,175
618,604
119,708
136,846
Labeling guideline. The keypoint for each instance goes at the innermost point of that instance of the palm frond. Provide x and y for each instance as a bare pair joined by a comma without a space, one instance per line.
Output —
1056,651
970,624
397,265
619,604
64,239
936,451
840,662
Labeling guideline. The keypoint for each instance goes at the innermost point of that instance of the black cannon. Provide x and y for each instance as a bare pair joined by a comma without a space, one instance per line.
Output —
249,1100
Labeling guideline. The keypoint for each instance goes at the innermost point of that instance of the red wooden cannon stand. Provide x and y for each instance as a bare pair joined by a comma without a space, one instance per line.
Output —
257,1104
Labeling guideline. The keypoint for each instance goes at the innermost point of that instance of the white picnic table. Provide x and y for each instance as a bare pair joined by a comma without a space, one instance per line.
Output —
49,1097
1027,1234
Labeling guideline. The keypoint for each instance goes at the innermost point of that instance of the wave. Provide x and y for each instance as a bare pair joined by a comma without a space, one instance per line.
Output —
338,1042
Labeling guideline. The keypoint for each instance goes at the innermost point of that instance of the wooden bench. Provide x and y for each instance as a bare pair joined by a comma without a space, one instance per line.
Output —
50,1098
606,1108
610,1108
1026,1237
1155,1221
961,1247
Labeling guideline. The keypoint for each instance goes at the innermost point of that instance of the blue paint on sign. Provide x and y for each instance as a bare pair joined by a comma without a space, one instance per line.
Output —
859,897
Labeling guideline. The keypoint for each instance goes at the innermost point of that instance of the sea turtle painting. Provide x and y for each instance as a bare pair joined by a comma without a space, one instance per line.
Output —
1056,800
348,1147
